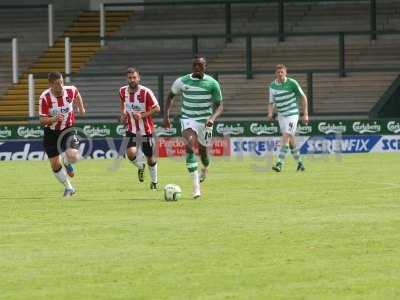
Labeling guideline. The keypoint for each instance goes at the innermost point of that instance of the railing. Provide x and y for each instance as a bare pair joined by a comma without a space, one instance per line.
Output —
228,36
50,16
249,71
14,40
341,69
228,12
281,34
14,56
309,74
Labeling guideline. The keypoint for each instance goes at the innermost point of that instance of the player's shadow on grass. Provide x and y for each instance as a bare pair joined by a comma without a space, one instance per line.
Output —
143,199
21,198
118,199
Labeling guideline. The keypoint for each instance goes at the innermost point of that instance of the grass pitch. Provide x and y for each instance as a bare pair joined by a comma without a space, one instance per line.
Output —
332,232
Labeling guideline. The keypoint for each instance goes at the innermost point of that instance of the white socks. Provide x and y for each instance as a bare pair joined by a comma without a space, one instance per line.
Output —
195,177
62,178
196,183
137,163
153,173
196,180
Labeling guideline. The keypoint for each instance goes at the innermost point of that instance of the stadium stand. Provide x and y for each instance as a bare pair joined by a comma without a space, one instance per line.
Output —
157,56
356,93
100,77
332,94
30,27
14,102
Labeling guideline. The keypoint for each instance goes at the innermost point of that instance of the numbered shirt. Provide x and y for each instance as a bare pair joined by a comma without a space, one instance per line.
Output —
143,100
285,96
50,105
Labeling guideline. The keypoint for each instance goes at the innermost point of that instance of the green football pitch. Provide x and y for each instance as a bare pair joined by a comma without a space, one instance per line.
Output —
332,232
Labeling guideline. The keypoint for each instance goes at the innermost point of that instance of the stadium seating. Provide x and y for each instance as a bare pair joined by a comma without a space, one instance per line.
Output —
355,93
313,55
157,56
14,102
100,76
299,53
30,27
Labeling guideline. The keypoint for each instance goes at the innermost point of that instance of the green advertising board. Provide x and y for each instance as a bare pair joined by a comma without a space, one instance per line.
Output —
345,127
231,128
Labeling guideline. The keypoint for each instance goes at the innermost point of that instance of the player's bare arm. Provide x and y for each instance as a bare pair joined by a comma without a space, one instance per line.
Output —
79,104
123,117
304,104
145,114
155,109
270,116
271,106
168,104
218,109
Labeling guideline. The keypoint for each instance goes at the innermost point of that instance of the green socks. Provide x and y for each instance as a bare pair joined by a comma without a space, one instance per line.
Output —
191,162
282,154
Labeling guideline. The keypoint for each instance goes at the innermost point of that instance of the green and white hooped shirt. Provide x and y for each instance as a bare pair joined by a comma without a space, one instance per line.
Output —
198,96
285,96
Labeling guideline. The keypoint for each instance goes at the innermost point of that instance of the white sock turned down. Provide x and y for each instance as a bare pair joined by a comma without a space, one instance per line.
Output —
62,178
139,164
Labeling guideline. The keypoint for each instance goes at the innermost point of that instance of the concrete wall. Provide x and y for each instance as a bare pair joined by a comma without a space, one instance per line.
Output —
58,4
94,4
75,4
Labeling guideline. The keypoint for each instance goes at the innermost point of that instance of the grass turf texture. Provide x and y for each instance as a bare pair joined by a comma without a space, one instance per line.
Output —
332,232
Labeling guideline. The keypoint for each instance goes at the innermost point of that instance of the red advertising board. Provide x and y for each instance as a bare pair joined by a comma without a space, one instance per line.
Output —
175,146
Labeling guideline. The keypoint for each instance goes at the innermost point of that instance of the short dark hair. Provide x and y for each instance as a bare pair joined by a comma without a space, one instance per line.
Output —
132,70
198,56
53,76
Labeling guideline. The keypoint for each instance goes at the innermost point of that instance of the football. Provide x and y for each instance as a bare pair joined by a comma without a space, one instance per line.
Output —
172,192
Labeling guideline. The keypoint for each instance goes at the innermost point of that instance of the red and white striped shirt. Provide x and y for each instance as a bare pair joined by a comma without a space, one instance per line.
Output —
50,105
143,100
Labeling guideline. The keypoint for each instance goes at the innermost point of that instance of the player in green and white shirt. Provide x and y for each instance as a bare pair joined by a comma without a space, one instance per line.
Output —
201,105
284,93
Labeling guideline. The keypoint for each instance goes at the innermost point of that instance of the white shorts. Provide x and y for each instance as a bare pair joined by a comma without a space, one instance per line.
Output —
204,133
288,124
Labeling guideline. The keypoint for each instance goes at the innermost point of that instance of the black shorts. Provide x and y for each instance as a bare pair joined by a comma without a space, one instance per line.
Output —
52,144
147,143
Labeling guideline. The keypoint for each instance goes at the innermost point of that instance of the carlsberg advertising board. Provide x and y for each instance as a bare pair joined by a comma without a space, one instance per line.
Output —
221,129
